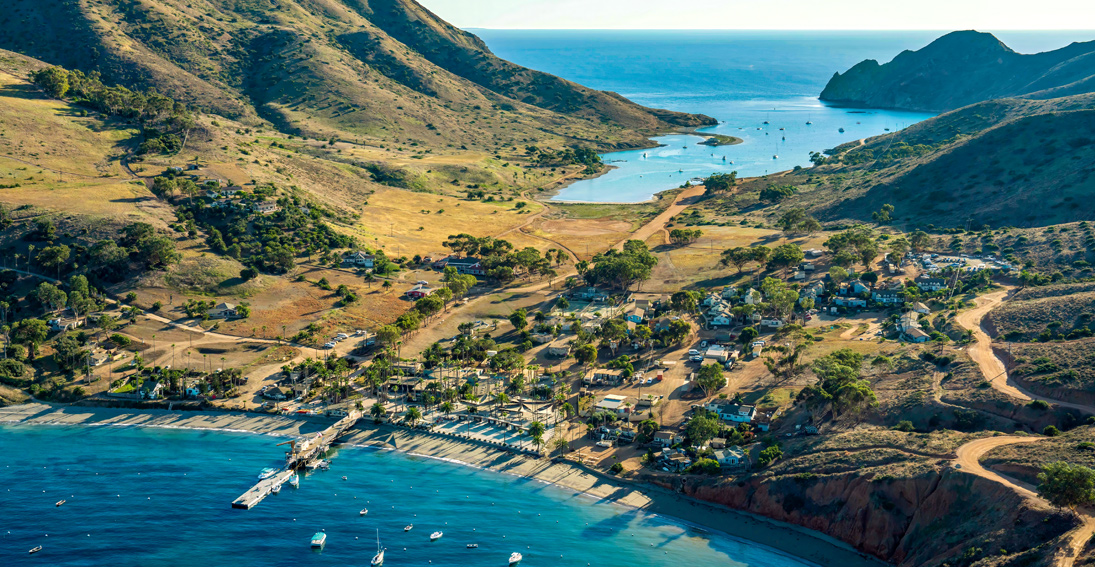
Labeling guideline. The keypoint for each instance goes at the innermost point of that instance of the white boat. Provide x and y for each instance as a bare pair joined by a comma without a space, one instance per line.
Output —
295,481
60,502
378,559
35,550
343,478
267,473
319,539
515,558
408,528
473,546
363,512
436,536
276,489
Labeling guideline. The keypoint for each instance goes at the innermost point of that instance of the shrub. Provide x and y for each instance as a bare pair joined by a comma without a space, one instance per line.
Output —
1040,405
904,425
1051,431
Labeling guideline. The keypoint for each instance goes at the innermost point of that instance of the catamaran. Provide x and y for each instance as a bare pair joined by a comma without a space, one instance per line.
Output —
319,539
378,559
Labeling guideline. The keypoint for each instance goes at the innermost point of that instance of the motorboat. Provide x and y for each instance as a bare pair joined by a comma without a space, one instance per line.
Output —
515,558
436,536
276,489
295,481
363,512
35,550
60,502
473,546
841,130
408,528
319,539
343,478
378,559
267,473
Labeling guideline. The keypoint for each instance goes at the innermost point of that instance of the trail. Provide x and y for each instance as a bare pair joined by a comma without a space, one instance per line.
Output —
991,366
969,457
687,198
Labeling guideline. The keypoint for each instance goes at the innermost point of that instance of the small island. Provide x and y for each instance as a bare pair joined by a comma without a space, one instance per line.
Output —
720,140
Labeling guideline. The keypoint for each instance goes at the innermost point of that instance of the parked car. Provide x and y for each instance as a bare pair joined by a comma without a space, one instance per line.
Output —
422,282
696,358
329,345
693,352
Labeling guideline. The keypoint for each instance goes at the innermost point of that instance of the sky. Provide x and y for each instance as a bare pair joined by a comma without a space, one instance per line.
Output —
769,14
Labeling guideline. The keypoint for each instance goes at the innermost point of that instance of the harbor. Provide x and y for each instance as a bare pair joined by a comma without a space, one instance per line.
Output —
304,452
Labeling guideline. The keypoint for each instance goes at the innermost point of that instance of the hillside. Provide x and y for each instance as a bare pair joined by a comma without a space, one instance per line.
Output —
963,68
382,71
1009,162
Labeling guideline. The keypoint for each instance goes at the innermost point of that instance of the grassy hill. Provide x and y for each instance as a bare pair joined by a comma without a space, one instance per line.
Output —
963,68
381,72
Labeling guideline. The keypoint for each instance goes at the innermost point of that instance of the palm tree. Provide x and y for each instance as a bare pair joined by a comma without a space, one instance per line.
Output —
560,444
377,411
447,407
412,415
536,430
500,399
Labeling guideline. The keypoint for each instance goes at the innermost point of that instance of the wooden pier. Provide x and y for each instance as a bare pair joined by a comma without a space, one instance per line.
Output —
301,452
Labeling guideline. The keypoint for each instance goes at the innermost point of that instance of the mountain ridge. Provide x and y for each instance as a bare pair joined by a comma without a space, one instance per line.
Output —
963,68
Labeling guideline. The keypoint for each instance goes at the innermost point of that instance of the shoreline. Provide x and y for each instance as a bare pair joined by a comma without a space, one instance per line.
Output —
788,539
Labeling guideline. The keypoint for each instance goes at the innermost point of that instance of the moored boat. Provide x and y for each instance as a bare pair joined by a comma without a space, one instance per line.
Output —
295,481
436,536
319,539
35,550
267,473
276,489
378,559
60,502
363,512
473,546
408,528
515,558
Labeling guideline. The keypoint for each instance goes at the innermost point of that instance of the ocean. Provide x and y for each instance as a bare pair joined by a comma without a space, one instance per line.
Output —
161,497
741,78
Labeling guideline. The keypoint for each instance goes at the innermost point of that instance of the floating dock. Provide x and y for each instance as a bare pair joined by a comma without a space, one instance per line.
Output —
302,451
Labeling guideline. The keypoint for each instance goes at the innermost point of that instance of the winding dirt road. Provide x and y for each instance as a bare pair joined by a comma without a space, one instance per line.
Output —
969,459
991,366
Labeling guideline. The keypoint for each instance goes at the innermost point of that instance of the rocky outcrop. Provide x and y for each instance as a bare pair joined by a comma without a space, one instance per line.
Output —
962,68
919,520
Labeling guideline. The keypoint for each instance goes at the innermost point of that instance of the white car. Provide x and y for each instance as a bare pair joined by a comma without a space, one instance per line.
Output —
693,352
329,345
696,358
341,336
422,282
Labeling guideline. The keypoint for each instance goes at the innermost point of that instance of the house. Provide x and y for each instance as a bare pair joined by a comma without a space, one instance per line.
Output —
676,462
753,297
718,443
637,316
757,347
729,293
419,291
559,349
98,357
920,308
917,335
813,253
408,367
717,352
813,291
665,438
222,311
772,323
604,376
888,297
720,316
806,267
359,260
732,457
274,392
730,411
64,323
468,265
799,275
591,294
909,320
854,287
850,301
229,191
615,404
193,390
930,284
150,390
266,207
542,338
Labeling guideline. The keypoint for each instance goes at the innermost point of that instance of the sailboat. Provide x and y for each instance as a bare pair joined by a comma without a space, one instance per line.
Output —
378,559
765,118
808,122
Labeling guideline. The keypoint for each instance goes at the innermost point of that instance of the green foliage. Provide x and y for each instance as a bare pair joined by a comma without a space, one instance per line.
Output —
905,426
1067,485
769,455
776,193
705,466
721,182
622,269
710,379
703,427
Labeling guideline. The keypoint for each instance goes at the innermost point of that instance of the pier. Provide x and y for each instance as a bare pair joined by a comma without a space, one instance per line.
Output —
301,452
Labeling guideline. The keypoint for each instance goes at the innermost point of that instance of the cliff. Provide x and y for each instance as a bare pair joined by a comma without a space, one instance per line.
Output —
925,519
963,68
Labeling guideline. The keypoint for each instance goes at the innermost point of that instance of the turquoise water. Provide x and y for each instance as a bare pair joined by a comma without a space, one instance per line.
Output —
741,78
141,497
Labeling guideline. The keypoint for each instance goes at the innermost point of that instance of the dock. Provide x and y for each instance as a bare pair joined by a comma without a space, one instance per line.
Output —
301,451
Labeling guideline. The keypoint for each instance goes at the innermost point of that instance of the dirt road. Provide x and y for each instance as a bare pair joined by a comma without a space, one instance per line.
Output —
992,367
969,457
687,198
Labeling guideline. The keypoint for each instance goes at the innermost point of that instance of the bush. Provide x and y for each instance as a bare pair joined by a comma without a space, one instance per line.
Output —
120,340
1040,405
1051,431
904,425
616,468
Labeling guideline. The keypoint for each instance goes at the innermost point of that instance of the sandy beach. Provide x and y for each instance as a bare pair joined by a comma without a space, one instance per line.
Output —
792,540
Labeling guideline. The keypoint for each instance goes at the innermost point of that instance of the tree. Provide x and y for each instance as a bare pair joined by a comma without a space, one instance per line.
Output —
791,220
536,430
377,411
519,319
1067,485
248,274
838,275
585,354
30,332
720,182
769,455
50,296
412,415
919,241
710,379
776,193
560,444
748,335
785,256
684,301
883,216
54,80
562,303
737,257
677,331
429,305
53,256
702,427
898,248
388,334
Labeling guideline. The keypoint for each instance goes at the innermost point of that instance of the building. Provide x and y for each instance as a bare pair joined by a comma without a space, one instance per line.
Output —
637,316
917,335
854,287
591,294
752,297
223,311
845,301
888,297
813,291
930,284
771,323
266,207
717,352
665,438
468,265
359,260
604,376
718,443
920,308
615,404
730,411
64,323
419,291
720,316
731,457
98,357
559,349
150,390
274,392
909,320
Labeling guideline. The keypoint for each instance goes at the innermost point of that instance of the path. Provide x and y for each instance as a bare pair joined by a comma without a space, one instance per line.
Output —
991,366
686,199
969,458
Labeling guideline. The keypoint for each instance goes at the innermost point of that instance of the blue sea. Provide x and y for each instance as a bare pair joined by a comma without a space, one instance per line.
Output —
741,78
161,497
